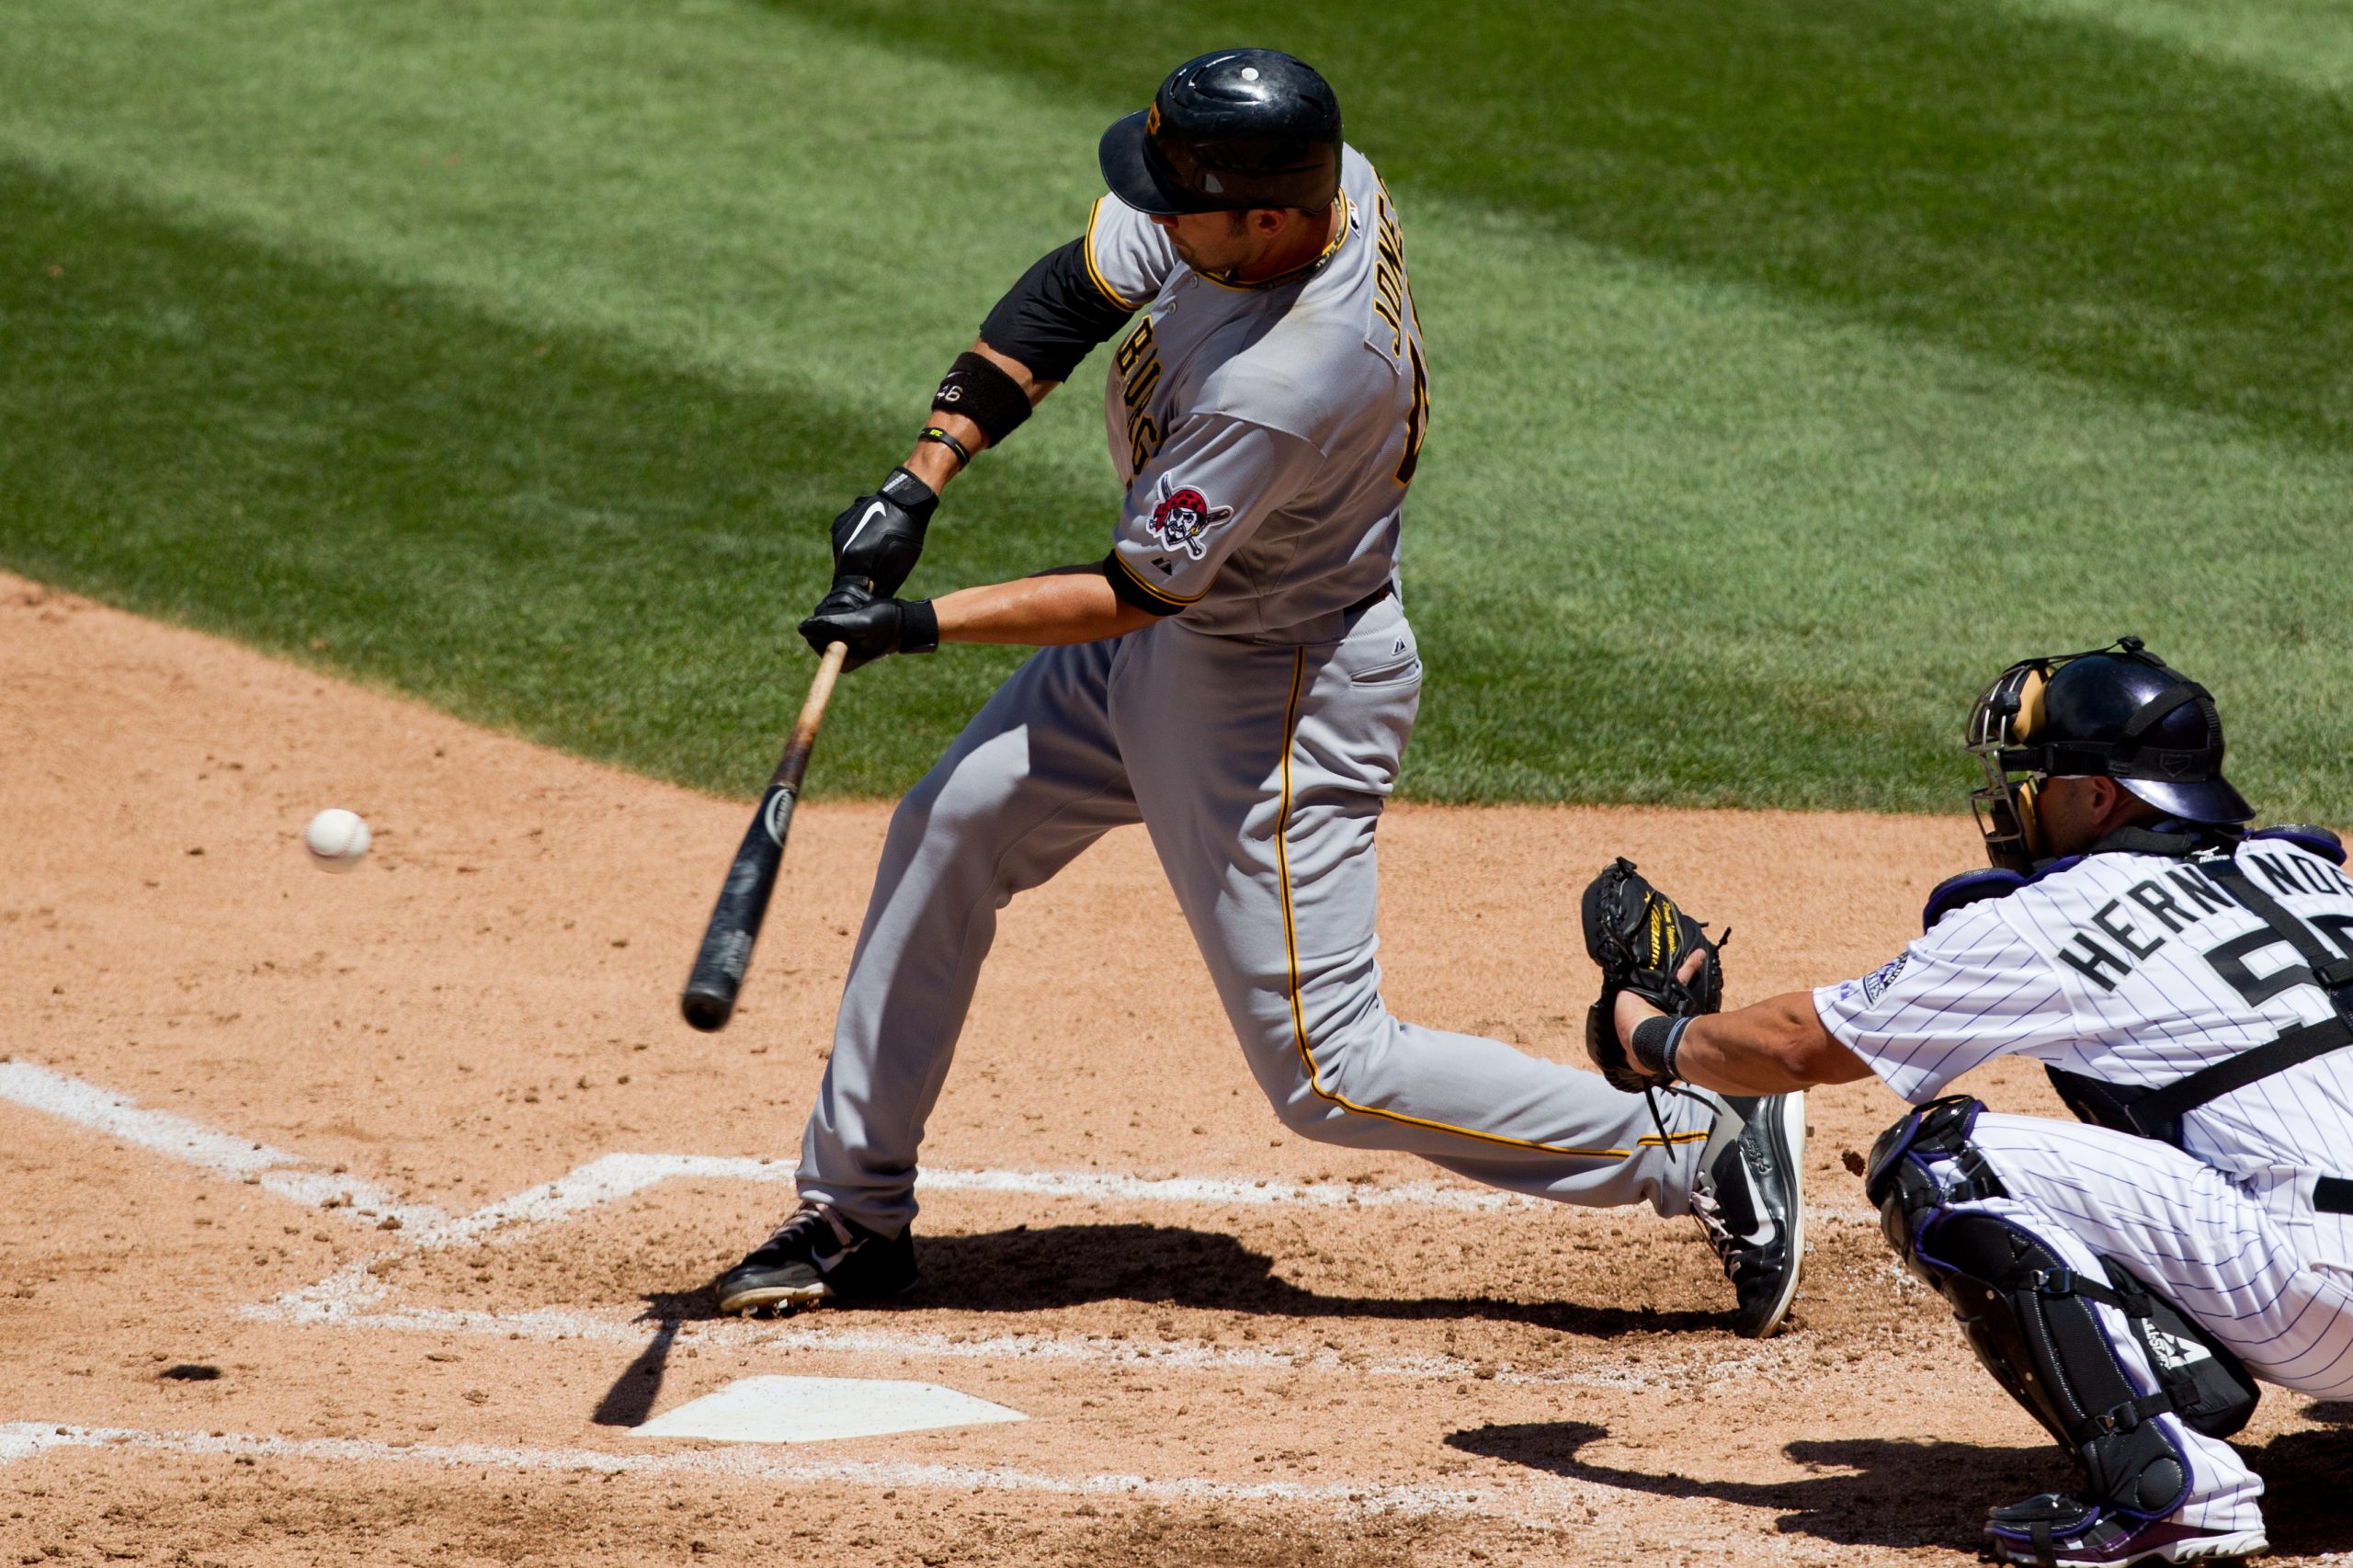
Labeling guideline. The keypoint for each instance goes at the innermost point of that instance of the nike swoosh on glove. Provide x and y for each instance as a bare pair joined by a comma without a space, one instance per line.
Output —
878,538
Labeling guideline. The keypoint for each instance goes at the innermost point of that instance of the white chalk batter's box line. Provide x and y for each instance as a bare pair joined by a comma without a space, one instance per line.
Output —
354,1297
1553,1501
24,1440
1790,1359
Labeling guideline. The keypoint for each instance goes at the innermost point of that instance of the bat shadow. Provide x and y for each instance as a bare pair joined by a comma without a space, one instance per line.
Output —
631,1399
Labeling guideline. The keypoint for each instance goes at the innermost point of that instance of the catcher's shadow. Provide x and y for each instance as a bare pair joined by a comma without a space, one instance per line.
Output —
1874,1491
1867,1491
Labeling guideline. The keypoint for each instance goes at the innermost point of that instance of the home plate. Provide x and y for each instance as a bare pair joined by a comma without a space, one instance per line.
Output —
810,1410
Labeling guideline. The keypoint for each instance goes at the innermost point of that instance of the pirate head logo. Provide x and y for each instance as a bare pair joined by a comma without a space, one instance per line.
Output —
1182,517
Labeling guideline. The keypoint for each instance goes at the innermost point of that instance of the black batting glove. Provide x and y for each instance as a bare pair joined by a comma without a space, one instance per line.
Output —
873,627
878,537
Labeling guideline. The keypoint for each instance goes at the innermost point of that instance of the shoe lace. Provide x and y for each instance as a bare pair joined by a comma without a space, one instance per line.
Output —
802,1221
1737,1256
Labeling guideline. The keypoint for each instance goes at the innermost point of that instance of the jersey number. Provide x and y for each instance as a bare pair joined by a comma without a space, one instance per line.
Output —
2228,959
1394,306
1417,417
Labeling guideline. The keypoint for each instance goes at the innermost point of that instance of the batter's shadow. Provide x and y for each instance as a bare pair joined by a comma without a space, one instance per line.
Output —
1030,1270
1027,1269
1894,1494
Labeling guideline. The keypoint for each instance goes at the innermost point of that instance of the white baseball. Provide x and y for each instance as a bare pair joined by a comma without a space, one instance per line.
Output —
336,839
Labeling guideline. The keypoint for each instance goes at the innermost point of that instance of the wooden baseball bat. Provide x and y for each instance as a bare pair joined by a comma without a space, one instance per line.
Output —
709,1000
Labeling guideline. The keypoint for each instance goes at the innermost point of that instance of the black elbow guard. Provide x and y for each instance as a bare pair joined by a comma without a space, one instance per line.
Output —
979,388
1055,316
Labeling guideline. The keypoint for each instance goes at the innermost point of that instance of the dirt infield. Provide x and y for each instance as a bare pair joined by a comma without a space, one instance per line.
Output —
362,1218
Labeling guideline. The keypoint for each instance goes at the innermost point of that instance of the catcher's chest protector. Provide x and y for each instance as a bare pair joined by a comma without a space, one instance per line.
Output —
2215,876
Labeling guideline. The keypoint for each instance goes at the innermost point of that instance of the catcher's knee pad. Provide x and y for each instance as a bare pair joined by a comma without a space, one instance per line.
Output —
2031,1321
1922,1162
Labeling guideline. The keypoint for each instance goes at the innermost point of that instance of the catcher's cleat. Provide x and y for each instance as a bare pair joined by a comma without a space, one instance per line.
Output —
1746,1199
815,1257
2052,1531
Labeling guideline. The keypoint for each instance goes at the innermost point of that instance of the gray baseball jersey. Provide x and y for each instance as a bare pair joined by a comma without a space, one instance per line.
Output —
1267,436
1266,433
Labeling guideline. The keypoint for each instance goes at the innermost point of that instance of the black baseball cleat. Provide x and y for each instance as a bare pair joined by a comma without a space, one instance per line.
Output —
815,1257
1746,1199
2055,1531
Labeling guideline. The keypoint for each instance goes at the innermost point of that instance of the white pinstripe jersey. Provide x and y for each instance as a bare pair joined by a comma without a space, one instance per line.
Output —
1266,433
2136,970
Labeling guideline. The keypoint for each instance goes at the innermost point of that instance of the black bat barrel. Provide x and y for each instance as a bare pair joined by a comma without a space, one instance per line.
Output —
709,1000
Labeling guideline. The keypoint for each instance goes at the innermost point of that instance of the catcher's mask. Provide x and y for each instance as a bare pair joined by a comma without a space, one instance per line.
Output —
2118,712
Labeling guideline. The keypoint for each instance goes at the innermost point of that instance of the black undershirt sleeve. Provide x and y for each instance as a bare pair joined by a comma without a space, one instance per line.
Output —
1131,592
1051,318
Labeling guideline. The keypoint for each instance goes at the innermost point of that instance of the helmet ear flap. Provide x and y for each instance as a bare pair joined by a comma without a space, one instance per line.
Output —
2024,795
2027,722
2009,715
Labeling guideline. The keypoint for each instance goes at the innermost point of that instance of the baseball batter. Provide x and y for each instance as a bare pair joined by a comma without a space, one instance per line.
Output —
2190,987
1237,673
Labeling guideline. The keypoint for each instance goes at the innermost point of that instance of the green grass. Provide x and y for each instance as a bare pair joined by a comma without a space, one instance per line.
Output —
1796,365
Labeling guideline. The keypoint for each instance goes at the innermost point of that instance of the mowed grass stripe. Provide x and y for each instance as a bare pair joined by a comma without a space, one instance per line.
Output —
535,530
2308,42
738,192
2043,190
1679,537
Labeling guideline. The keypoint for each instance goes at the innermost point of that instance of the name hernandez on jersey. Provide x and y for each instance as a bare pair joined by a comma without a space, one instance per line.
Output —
2134,970
1266,434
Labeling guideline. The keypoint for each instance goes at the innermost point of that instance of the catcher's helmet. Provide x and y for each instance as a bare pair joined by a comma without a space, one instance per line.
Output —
2119,712
1238,129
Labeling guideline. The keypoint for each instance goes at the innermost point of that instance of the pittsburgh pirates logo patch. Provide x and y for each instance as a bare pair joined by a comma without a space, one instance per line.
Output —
1182,517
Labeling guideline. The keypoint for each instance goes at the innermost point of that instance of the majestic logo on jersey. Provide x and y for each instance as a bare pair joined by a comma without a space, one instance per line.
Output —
1182,517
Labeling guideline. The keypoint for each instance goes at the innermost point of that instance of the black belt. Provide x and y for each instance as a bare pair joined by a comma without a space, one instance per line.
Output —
1371,599
2333,1195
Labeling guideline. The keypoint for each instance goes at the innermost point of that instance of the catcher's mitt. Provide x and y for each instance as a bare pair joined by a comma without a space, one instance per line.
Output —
1641,937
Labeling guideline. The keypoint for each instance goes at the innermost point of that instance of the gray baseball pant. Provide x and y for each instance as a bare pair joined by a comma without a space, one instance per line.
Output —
1260,770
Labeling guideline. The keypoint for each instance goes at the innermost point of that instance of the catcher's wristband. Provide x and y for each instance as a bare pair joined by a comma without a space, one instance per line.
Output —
1654,1044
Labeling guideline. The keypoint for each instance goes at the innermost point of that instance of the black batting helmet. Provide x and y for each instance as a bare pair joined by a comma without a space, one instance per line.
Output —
1238,129
2118,711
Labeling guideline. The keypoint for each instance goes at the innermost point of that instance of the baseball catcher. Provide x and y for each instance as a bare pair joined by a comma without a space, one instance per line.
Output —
2188,984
